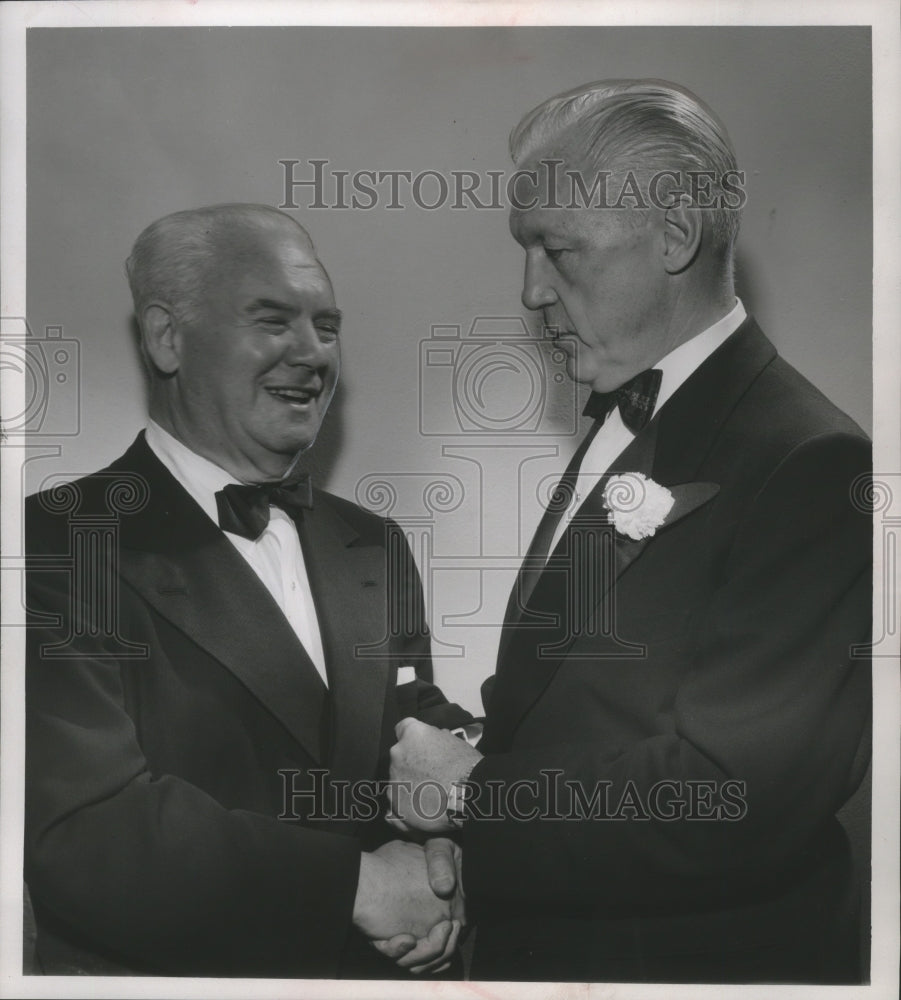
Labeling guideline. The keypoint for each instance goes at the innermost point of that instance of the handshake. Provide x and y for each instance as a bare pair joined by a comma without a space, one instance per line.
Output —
409,898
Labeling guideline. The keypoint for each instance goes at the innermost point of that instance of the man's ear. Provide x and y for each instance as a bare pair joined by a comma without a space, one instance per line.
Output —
162,341
683,226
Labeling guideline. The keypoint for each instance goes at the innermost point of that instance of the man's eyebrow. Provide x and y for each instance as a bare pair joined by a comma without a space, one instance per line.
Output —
259,304
524,228
332,314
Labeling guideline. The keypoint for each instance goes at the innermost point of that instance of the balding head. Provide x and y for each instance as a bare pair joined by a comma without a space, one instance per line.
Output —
174,258
239,328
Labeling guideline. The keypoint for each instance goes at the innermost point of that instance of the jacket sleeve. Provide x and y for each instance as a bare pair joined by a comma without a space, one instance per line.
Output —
773,702
152,869
419,697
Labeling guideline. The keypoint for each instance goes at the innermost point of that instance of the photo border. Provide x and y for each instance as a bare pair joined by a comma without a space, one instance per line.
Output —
882,16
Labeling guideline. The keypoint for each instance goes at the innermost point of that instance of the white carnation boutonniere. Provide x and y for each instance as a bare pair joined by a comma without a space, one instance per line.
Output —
638,506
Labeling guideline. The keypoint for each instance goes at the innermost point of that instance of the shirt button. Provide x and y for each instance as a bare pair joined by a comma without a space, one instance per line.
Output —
294,585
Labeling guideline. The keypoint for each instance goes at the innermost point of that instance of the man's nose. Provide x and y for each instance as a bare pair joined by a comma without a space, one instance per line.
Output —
537,289
305,345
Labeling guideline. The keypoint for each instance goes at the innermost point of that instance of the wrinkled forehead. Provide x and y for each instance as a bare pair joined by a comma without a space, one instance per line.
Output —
279,252
558,192
546,217
541,191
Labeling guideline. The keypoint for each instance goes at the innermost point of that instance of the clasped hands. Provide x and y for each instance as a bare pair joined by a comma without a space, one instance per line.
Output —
409,897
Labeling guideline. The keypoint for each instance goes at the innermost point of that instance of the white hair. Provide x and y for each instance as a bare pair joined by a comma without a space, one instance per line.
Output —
640,125
171,259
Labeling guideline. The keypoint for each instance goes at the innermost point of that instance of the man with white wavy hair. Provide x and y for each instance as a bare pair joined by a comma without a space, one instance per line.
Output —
677,711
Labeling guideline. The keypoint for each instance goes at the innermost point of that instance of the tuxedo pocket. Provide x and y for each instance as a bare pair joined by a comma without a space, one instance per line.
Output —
405,675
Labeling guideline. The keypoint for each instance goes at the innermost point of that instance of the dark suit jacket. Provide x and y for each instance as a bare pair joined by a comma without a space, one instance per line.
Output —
747,603
169,706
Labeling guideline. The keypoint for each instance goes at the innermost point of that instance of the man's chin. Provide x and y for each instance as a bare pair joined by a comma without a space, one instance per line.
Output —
289,441
584,375
603,380
276,458
574,370
291,451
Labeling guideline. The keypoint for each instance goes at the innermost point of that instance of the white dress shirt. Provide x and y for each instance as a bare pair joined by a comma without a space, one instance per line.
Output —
614,436
276,556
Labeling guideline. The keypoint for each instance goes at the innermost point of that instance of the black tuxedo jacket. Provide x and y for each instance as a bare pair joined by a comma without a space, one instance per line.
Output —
711,665
170,706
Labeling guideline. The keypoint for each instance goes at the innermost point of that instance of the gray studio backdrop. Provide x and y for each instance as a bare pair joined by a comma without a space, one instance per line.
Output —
452,426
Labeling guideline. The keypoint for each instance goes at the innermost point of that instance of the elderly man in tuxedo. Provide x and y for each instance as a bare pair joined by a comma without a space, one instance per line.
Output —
677,711
197,689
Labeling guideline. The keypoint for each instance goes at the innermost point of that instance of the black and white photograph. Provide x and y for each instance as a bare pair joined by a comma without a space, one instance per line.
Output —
451,499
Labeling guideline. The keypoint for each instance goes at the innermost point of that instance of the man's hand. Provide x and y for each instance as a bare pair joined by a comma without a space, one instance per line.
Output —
444,860
425,765
397,907
432,954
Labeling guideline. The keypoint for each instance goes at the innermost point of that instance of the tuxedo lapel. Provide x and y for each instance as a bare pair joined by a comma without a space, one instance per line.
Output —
638,456
592,556
216,599
670,450
183,565
692,419
348,580
565,596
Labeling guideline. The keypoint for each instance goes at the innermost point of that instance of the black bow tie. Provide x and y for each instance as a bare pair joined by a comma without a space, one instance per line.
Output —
636,400
244,509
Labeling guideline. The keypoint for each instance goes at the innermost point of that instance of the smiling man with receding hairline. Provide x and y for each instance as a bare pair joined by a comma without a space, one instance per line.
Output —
170,821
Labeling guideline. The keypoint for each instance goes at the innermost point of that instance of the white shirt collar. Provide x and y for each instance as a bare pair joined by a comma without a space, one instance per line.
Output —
683,360
199,476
